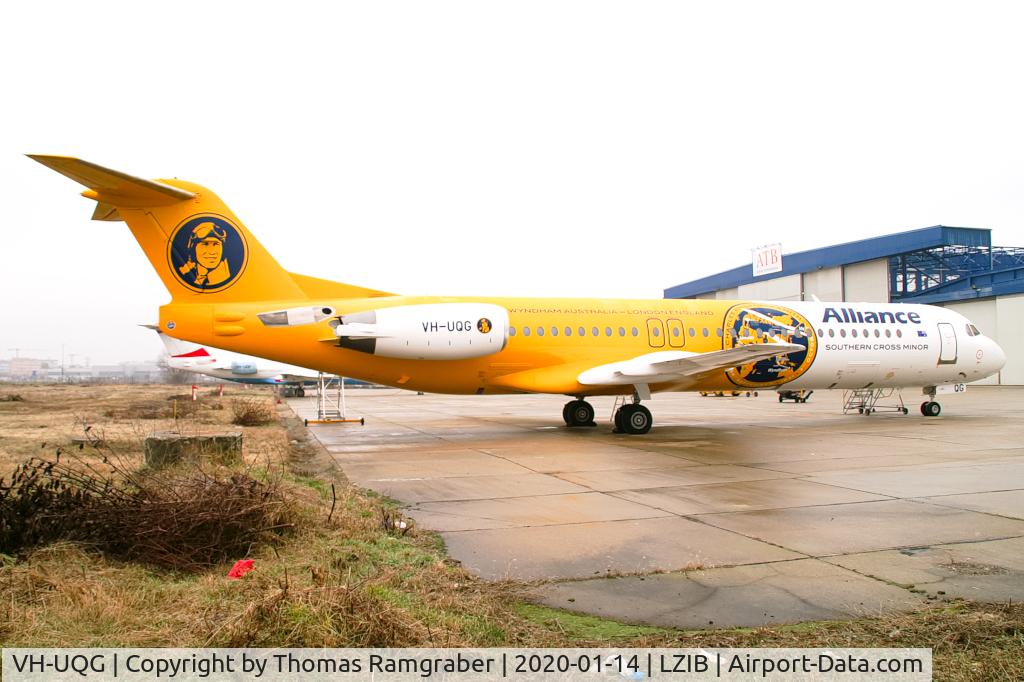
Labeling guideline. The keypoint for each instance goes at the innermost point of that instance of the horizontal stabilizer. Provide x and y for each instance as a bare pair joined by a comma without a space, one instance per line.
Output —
112,187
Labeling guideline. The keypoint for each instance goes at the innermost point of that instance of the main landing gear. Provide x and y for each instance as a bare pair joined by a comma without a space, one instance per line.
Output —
578,413
633,418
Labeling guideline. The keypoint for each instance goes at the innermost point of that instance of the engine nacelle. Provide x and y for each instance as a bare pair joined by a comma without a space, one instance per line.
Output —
432,331
244,368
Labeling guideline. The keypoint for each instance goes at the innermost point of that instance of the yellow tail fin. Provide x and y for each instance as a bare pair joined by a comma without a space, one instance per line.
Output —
201,251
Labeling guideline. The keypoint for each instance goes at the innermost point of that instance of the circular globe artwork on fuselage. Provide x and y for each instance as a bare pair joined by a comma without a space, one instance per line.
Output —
760,323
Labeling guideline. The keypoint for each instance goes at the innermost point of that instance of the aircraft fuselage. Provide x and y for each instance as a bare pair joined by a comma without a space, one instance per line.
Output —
549,342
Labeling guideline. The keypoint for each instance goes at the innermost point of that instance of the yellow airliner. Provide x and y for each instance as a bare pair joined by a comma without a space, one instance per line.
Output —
227,291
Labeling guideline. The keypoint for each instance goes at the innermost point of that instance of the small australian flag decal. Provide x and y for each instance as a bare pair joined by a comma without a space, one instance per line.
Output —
922,333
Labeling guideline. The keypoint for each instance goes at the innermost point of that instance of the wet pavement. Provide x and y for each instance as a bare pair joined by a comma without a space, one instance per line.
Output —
732,511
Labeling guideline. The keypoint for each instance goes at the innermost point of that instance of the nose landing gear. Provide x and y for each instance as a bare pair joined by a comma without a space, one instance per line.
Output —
930,408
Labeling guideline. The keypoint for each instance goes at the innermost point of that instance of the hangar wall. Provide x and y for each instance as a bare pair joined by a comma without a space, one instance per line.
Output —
866,282
826,284
778,289
723,295
1010,336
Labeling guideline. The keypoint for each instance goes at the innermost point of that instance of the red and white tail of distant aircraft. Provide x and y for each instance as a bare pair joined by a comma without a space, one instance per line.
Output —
228,291
227,366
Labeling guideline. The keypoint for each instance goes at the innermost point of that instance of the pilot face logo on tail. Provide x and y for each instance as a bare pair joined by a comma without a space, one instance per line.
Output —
207,253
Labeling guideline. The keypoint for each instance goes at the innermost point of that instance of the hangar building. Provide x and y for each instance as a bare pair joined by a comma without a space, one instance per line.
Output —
955,267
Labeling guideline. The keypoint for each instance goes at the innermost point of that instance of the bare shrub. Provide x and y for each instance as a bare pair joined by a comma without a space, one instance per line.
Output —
181,519
252,411
11,398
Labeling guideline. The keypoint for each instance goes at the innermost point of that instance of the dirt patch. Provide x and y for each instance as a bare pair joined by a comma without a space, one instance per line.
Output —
971,568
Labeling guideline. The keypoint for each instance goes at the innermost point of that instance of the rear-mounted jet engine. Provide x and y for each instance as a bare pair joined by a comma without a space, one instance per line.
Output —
433,331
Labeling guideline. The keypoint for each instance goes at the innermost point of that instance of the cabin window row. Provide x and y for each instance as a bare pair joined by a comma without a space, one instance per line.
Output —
609,331
866,333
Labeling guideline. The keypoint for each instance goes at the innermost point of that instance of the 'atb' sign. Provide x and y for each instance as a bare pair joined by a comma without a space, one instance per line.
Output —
767,259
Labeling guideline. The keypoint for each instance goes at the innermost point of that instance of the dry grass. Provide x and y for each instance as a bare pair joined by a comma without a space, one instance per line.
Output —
53,416
252,411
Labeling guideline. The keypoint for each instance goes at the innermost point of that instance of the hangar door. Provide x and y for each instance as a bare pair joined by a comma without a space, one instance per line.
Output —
947,339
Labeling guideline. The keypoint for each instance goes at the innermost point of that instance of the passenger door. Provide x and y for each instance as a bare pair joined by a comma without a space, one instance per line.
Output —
947,340
655,333
676,333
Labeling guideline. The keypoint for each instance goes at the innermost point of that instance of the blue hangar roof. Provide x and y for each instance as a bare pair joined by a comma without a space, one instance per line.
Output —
842,254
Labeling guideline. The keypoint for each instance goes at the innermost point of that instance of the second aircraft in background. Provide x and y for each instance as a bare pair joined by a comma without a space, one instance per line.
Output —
243,369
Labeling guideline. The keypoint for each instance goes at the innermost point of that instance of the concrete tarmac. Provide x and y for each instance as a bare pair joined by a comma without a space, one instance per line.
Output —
732,511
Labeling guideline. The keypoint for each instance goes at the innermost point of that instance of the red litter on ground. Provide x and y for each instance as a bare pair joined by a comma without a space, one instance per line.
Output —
241,568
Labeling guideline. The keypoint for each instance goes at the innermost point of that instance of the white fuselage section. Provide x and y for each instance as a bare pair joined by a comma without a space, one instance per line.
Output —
878,345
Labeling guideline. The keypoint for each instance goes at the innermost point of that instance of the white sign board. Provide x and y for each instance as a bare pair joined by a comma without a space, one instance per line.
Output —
767,259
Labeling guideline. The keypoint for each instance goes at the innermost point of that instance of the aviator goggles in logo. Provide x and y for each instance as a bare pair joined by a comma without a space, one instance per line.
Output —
207,253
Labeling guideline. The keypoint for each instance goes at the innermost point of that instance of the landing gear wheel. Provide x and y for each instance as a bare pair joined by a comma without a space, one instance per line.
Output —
931,408
780,397
301,392
618,417
906,411
633,419
578,413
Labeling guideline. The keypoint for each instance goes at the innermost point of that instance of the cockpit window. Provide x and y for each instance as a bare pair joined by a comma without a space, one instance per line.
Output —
972,330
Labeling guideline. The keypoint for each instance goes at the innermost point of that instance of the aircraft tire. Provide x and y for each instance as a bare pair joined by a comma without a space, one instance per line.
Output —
578,413
620,418
637,419
301,392
931,408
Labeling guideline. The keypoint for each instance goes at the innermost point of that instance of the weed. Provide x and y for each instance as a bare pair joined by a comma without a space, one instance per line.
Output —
253,411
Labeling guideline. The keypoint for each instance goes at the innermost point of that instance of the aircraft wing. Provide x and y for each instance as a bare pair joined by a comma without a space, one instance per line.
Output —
680,366
291,378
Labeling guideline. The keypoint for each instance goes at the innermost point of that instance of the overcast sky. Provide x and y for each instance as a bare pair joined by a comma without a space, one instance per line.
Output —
527,148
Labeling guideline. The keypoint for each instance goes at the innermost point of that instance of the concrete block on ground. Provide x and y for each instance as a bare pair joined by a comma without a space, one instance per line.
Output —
166,448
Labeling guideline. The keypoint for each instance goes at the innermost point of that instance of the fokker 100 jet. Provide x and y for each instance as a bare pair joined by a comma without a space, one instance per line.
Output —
227,291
